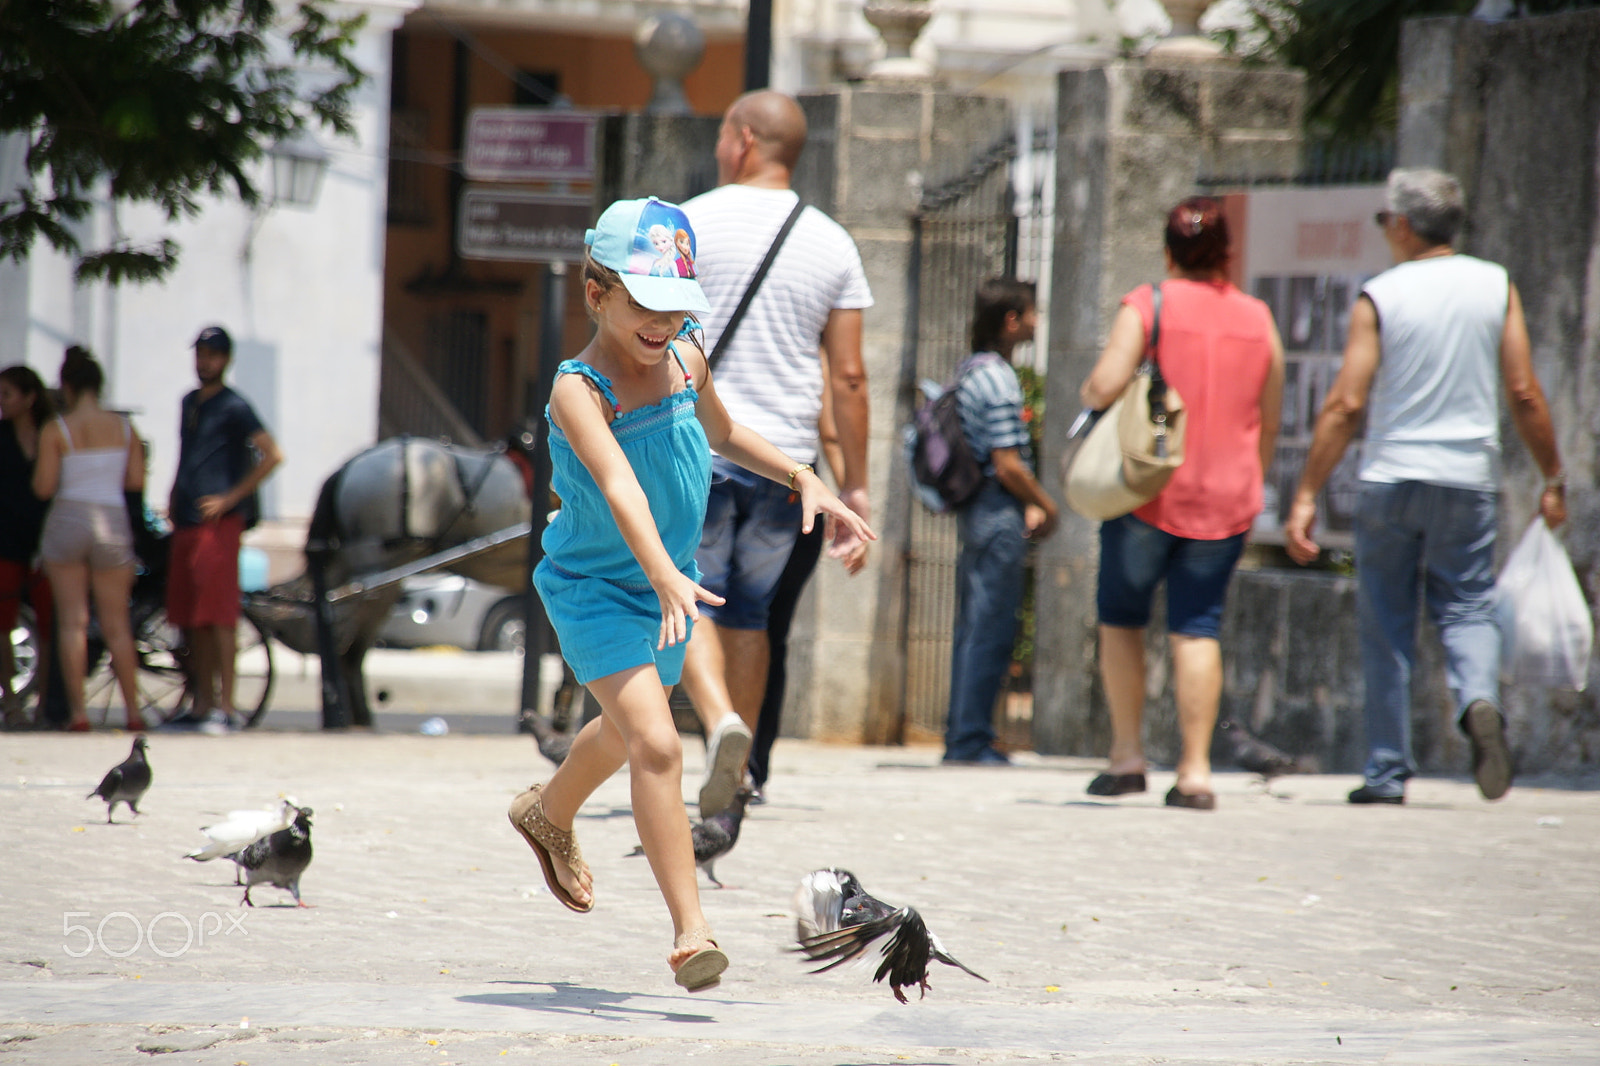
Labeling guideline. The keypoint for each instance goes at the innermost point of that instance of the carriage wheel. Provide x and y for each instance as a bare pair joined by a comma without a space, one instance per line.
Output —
25,676
164,684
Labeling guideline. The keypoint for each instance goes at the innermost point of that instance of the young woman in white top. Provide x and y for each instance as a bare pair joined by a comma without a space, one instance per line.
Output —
87,459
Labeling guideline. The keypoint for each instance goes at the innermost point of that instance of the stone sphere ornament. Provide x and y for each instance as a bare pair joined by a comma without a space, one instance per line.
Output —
669,46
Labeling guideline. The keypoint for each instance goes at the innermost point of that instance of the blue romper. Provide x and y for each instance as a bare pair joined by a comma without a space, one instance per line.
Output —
604,611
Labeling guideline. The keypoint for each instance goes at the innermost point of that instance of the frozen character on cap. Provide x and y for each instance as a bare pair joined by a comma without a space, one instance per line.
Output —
685,253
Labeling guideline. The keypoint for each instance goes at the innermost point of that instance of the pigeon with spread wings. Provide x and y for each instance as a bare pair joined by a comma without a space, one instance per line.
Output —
838,921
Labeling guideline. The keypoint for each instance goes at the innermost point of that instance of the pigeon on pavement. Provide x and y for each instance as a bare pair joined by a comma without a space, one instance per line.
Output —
278,859
126,782
1257,756
241,829
714,837
837,921
554,744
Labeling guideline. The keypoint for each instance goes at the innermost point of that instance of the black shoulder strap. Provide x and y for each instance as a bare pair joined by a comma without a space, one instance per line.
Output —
1158,382
755,283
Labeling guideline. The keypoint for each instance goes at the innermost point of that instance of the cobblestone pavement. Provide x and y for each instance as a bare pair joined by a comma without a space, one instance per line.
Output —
1286,927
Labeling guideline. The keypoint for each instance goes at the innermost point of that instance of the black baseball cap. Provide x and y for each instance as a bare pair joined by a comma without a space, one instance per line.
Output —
216,338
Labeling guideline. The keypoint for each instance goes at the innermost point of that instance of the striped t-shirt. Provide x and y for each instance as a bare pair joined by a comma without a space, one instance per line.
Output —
990,401
769,377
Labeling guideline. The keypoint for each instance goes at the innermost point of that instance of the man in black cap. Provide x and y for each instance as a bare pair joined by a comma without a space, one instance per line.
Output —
224,454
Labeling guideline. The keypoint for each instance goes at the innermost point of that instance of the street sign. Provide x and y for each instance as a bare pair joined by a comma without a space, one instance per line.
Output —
522,226
529,144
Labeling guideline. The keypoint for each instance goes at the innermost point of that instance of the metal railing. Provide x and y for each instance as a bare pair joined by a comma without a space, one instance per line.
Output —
410,401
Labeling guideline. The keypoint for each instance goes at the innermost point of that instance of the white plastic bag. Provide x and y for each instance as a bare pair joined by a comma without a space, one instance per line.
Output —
1545,625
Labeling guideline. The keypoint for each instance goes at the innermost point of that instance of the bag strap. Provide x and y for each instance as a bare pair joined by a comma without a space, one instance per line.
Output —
1158,383
755,283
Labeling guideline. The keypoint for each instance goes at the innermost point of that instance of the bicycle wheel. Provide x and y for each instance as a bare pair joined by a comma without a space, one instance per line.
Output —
252,684
162,678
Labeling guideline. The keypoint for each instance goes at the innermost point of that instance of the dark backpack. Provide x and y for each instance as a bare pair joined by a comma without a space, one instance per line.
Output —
944,471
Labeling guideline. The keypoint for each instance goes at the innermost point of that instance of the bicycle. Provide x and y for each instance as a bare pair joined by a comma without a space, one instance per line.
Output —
166,684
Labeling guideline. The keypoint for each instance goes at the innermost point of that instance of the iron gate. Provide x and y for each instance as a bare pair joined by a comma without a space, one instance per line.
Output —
988,218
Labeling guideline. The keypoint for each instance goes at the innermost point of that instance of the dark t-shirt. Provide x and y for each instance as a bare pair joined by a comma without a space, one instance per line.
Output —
214,453
21,512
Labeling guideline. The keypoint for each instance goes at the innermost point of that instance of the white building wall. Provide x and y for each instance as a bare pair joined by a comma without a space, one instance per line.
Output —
299,289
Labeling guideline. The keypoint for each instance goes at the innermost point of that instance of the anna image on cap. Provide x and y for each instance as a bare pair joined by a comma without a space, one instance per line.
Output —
661,248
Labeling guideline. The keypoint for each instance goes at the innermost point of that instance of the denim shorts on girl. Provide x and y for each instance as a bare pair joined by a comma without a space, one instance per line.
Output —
1135,556
606,627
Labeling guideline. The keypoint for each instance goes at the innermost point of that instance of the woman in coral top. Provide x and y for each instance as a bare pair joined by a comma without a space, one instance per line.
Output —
1220,350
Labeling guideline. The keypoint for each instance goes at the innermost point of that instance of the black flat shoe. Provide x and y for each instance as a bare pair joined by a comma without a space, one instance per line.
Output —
1194,801
1368,794
1116,784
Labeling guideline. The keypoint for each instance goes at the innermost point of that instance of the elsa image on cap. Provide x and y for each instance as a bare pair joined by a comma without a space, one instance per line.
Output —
655,249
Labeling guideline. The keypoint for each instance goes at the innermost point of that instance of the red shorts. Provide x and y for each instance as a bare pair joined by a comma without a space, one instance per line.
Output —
17,582
203,574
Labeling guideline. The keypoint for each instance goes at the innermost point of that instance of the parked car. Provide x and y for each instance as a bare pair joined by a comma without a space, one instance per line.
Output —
450,609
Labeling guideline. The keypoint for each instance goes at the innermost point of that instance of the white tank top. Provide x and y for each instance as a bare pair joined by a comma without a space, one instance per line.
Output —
1434,413
93,475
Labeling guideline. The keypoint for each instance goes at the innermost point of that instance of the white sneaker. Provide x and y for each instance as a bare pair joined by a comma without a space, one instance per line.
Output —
726,749
217,724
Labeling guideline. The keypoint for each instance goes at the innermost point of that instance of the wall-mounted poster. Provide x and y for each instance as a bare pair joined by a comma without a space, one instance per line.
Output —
1306,252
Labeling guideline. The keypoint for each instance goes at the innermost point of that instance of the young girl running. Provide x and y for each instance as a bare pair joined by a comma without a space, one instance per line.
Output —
632,423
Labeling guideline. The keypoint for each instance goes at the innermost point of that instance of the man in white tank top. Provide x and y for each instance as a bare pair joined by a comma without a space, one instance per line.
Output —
1431,341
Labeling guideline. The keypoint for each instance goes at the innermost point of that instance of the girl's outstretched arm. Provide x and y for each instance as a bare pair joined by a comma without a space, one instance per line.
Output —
581,413
755,453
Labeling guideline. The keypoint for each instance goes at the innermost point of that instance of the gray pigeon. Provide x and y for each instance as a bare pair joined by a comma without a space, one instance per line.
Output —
126,782
1257,756
837,921
554,744
714,837
278,859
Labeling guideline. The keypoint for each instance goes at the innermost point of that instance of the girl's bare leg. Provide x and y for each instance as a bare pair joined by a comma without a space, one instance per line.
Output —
111,588
635,703
69,584
598,751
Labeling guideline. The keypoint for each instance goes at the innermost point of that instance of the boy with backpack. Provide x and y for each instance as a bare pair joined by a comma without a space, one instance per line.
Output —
995,522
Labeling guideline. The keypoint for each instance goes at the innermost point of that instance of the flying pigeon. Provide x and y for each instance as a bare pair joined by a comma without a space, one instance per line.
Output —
714,837
126,782
1257,756
241,829
554,744
837,920
278,859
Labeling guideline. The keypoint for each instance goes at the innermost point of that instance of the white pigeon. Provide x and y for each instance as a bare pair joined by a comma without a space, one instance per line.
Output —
243,828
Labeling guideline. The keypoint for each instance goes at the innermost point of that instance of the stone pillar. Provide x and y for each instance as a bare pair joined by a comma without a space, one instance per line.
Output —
1134,138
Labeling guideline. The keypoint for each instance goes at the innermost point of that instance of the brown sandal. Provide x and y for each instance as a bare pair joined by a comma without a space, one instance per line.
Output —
549,843
702,969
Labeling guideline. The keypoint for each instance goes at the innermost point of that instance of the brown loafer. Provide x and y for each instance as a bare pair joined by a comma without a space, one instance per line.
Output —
1196,801
1116,784
549,843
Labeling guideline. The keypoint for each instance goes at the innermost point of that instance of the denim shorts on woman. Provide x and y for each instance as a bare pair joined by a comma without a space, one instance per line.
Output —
1135,556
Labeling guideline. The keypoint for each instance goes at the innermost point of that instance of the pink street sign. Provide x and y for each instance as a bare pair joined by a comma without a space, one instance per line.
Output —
529,144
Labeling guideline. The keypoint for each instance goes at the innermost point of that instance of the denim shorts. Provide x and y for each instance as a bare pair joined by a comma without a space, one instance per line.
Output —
750,530
1135,556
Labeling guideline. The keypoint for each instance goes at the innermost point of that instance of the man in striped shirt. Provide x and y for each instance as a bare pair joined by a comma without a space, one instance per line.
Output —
769,377
996,523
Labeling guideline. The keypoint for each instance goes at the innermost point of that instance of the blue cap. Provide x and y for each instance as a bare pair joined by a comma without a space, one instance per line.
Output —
216,338
651,244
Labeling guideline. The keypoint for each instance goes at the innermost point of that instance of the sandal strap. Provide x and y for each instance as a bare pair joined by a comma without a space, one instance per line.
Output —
694,938
560,843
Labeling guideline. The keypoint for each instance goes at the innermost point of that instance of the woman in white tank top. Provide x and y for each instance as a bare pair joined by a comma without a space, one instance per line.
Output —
87,460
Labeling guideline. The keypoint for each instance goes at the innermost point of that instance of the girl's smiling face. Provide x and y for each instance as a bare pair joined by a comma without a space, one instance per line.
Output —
634,331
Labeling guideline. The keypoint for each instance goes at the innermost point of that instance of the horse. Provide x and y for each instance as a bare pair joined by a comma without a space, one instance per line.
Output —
398,501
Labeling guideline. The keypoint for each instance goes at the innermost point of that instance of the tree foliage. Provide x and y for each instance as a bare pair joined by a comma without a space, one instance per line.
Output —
1350,51
156,101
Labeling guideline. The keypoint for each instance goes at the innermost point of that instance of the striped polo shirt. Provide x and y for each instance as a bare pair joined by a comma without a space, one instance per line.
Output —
769,376
990,401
